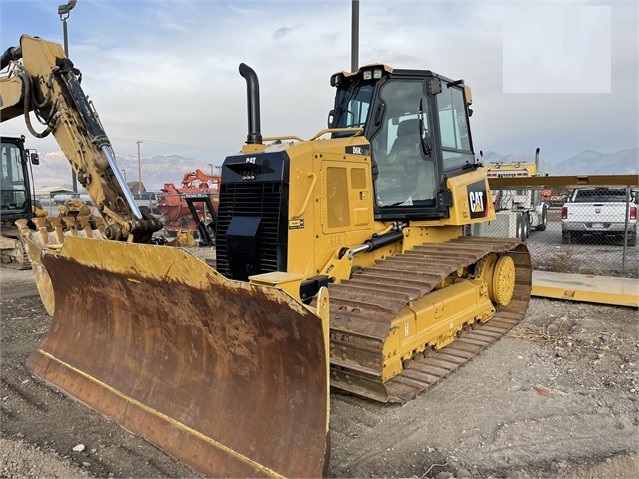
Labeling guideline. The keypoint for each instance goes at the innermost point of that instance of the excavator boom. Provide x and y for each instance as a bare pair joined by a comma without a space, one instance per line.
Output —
42,81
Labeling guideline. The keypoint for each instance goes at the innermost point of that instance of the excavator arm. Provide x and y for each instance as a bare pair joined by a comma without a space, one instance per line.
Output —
41,80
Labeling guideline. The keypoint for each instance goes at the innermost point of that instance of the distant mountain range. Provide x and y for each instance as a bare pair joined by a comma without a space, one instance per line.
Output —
54,169
595,163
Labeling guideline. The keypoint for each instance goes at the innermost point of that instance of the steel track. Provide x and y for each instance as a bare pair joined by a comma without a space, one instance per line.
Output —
362,310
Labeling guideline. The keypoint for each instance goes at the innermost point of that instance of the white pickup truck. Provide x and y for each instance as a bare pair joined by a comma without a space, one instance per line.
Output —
599,213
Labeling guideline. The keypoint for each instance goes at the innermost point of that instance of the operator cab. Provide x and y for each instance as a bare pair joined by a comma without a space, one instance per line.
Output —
417,124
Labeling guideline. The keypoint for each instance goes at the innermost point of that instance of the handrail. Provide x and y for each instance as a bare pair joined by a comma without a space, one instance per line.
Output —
308,197
282,138
356,132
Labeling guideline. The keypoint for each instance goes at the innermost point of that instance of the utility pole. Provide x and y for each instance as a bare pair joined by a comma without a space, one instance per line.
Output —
64,11
139,169
355,36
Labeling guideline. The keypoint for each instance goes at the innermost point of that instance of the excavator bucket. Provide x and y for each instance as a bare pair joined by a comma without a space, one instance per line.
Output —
229,378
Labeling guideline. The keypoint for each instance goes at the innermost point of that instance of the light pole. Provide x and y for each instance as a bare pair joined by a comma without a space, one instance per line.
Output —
211,166
139,169
63,11
354,35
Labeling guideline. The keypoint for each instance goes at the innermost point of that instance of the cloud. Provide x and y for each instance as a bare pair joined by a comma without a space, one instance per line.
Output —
282,32
557,49
168,71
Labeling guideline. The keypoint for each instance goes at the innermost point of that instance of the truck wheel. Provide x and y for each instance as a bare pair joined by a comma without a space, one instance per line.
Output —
544,219
632,239
525,220
566,237
519,228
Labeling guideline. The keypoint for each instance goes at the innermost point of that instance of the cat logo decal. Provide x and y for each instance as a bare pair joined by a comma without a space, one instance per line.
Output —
477,198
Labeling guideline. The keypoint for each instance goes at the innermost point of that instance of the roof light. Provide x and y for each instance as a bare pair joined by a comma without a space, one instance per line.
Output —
367,75
377,73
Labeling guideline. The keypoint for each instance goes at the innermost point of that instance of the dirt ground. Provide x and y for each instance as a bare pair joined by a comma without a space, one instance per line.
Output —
558,396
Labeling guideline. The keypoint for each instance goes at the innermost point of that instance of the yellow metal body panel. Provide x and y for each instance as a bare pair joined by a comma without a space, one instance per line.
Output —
327,215
277,279
461,207
331,208
11,98
460,211
433,321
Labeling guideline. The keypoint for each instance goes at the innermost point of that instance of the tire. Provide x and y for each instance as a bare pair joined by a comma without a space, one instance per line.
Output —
632,239
519,228
544,219
526,225
566,237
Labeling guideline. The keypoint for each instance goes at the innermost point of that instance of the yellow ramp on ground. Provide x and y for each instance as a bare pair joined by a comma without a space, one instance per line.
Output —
587,288
228,377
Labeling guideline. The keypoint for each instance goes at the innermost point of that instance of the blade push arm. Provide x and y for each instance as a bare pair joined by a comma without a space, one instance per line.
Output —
46,83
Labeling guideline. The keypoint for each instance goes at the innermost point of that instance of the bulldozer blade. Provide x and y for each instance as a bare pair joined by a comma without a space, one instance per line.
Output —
229,378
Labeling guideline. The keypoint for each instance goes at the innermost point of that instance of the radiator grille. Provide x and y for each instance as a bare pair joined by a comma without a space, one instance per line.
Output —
265,200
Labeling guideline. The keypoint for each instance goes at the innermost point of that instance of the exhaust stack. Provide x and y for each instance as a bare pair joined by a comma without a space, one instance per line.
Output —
253,102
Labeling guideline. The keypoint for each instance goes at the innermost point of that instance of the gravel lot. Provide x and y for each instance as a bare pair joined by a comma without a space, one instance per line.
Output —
556,397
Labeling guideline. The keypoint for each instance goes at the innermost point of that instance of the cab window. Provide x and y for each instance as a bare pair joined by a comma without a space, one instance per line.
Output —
454,129
355,103
405,176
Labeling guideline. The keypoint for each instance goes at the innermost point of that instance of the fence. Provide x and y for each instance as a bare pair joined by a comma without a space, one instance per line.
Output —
602,243
588,226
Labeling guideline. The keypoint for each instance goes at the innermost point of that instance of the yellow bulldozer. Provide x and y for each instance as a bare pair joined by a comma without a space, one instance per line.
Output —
341,260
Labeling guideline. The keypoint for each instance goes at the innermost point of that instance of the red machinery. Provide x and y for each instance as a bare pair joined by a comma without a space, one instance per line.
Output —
198,197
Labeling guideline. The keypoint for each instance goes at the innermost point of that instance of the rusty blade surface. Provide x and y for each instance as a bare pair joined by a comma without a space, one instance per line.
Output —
227,377
364,307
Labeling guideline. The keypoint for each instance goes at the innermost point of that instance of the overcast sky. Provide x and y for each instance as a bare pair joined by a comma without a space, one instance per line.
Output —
558,75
